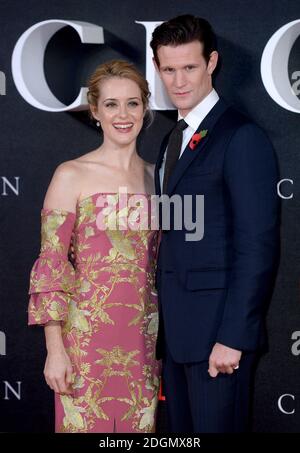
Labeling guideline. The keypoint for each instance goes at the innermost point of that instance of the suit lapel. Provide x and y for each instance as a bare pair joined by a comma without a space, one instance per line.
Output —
189,155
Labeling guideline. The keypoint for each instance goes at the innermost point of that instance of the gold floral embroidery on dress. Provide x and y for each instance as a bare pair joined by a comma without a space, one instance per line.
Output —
51,222
52,279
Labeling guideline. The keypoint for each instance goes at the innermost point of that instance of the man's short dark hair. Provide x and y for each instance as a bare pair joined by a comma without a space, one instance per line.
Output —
183,30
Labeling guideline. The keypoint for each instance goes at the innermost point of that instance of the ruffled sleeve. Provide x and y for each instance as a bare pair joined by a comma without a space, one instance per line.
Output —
52,278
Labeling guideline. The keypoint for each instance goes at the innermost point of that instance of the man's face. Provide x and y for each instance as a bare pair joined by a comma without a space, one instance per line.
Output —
185,74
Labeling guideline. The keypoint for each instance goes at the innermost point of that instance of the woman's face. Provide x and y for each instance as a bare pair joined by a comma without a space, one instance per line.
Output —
120,110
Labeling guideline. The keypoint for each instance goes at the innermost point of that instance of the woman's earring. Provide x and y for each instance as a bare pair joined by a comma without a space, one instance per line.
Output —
98,124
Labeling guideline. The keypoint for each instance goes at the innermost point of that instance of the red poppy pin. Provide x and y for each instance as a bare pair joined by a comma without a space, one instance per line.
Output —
195,140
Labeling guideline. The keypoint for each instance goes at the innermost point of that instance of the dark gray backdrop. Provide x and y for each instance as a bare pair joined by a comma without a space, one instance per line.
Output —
34,142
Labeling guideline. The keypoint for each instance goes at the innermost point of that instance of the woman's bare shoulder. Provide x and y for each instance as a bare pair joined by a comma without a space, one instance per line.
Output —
67,169
64,188
75,168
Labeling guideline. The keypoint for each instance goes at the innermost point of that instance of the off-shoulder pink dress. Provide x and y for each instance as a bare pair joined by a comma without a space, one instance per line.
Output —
107,304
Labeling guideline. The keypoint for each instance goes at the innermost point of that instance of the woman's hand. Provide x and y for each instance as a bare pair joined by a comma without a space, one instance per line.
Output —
58,372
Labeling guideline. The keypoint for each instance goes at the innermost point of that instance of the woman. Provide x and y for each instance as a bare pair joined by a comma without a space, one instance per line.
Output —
100,316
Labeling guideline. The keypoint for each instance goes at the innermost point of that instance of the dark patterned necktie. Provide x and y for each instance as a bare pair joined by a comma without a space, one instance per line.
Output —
173,151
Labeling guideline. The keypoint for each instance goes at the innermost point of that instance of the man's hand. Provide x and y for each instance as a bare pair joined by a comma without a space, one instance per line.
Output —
223,360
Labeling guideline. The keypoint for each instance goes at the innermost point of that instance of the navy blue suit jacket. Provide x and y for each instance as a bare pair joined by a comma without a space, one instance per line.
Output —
216,289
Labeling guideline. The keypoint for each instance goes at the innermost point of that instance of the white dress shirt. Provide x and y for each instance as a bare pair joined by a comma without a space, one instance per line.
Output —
193,119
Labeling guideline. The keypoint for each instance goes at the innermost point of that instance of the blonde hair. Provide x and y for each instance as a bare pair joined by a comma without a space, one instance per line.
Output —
120,69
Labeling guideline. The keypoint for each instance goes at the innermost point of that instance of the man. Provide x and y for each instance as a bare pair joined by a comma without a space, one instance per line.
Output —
213,291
